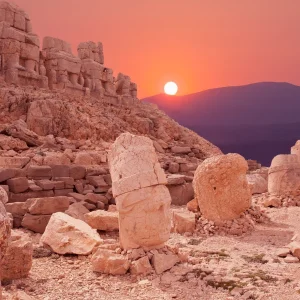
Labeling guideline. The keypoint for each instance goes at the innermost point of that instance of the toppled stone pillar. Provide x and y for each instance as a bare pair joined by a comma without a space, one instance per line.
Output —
284,175
138,185
4,230
221,187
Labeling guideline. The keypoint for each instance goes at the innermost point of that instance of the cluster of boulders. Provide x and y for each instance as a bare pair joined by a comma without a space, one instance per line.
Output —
290,253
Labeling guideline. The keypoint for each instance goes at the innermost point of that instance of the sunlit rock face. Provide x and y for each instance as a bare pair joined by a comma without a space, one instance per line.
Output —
143,200
284,174
221,187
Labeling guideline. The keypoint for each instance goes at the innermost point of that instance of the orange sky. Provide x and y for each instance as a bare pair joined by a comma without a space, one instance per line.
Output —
199,44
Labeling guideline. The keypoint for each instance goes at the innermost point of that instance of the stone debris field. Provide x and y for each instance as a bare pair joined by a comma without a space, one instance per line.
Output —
103,196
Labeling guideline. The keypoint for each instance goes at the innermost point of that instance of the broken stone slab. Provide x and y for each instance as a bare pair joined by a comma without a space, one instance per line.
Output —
77,211
181,150
181,194
164,262
176,179
258,183
46,184
184,221
48,205
109,262
67,235
291,259
17,260
77,172
19,130
39,172
18,185
16,208
60,171
13,162
103,220
22,197
35,223
141,266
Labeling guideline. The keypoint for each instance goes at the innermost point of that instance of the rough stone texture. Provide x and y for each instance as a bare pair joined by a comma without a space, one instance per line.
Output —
103,220
17,260
193,205
144,217
3,196
141,266
18,185
142,200
77,211
184,221
108,262
163,262
35,223
284,174
48,206
221,187
181,194
65,234
134,164
258,184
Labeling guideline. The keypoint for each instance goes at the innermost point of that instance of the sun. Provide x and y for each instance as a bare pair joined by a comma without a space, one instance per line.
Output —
171,88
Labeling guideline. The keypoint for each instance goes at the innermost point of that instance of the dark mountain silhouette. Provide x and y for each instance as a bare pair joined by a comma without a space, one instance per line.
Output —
258,120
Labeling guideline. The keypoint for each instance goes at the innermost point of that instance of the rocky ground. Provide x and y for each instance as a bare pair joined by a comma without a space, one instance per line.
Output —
216,267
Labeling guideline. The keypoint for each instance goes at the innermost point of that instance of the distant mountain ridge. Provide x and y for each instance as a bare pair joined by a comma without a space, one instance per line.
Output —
258,120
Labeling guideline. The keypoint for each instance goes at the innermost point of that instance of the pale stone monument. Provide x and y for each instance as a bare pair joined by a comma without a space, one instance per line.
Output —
143,200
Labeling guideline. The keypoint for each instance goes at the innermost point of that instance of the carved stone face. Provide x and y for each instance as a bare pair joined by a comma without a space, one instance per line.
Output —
146,223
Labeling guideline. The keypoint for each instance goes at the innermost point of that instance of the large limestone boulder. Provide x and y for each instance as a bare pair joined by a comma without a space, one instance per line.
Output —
258,184
17,260
284,174
65,234
221,187
138,185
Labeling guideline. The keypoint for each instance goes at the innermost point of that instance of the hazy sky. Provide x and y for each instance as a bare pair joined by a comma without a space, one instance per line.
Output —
199,44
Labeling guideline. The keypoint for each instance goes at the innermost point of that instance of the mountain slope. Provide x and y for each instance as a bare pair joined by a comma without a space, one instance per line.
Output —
257,120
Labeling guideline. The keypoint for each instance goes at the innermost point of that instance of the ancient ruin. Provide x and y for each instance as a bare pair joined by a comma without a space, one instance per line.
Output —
221,187
138,184
284,175
53,66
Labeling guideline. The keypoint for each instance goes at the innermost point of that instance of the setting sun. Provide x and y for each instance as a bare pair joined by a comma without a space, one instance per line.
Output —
171,88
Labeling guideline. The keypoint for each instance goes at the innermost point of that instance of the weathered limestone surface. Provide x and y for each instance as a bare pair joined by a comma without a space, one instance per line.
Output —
284,174
221,187
258,184
65,234
103,220
17,260
142,199
108,262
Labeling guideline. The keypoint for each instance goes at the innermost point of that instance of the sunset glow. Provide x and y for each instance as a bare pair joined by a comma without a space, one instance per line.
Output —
171,88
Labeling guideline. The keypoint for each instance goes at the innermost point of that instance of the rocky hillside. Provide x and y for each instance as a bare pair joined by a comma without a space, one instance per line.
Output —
58,121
